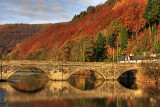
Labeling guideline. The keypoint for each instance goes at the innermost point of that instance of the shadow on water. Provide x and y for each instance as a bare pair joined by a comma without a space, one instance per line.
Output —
128,80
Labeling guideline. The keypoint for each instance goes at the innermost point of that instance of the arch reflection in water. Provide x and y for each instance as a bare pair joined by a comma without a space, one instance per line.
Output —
86,80
28,81
128,79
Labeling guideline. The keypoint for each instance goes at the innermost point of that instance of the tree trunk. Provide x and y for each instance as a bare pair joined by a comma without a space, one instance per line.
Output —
150,31
136,33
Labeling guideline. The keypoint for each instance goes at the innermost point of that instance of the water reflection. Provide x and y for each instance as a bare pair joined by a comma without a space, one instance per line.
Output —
28,81
79,91
83,82
102,102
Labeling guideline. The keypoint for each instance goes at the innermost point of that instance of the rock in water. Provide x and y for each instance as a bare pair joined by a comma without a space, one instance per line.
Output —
2,98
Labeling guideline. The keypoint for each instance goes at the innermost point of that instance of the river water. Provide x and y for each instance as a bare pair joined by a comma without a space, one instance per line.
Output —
35,90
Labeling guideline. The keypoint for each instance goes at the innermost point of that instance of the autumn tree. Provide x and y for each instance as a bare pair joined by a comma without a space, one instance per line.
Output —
82,50
99,47
113,30
124,38
132,18
66,50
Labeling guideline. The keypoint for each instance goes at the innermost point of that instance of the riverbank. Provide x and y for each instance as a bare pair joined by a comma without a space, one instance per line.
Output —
2,98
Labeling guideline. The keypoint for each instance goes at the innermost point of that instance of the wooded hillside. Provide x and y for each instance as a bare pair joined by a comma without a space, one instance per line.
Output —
123,25
13,34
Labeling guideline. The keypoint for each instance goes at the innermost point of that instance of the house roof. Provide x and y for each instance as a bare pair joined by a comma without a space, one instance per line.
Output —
139,57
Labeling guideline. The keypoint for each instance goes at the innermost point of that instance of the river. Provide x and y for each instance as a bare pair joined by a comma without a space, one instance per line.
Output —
31,89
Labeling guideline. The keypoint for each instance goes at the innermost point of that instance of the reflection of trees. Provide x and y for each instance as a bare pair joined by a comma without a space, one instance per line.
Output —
28,83
84,82
111,102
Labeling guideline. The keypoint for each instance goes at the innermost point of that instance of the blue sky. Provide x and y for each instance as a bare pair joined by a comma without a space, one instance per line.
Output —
42,11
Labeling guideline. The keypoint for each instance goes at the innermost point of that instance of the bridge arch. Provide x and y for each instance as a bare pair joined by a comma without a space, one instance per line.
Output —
95,71
128,73
127,79
24,69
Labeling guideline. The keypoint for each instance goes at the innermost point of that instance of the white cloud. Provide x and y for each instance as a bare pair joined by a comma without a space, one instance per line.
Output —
41,11
56,4
57,9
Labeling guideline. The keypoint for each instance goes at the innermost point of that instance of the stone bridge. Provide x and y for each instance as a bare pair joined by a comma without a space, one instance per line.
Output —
63,70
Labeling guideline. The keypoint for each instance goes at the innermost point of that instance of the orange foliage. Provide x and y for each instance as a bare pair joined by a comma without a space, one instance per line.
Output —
110,51
132,18
130,12
120,4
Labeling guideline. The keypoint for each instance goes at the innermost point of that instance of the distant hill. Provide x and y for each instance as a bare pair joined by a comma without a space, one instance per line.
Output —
13,34
76,40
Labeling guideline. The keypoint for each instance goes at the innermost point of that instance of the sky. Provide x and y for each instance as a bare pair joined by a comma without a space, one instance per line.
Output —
42,11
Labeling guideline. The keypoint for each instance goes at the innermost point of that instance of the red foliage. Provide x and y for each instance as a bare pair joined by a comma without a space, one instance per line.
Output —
48,103
132,17
159,32
129,11
110,51
12,34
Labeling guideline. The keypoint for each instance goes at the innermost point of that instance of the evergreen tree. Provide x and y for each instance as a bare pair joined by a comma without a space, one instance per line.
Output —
109,41
152,12
91,9
124,38
158,47
152,15
99,47
154,33
147,11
